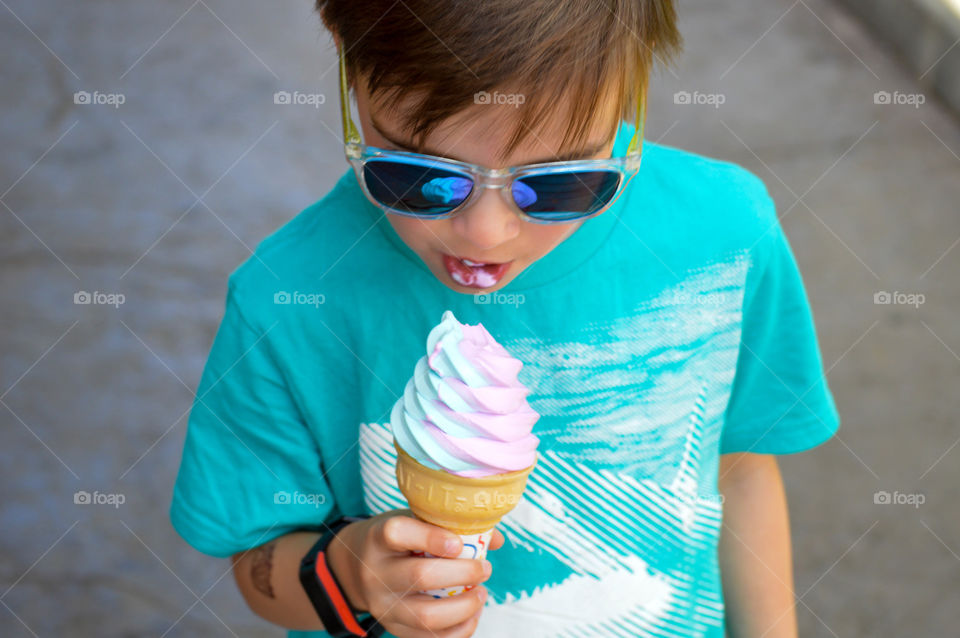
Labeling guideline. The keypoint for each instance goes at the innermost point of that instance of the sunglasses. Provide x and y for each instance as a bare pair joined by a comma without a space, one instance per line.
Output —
431,187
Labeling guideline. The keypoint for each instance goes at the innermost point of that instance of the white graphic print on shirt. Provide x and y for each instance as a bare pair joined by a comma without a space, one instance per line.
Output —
616,532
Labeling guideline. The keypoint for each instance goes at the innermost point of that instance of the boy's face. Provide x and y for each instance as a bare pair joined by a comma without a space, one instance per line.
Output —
489,231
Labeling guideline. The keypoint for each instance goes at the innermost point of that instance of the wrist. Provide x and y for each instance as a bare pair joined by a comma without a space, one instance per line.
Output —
344,565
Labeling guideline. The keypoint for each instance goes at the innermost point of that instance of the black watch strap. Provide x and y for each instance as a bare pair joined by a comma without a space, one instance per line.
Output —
338,616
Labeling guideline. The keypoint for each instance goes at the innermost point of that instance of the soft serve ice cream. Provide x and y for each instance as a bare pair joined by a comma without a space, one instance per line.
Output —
462,430
464,411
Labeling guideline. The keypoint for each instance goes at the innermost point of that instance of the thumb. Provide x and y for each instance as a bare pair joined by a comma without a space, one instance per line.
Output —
497,540
403,533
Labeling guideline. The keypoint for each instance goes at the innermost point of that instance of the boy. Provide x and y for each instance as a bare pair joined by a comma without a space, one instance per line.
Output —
657,308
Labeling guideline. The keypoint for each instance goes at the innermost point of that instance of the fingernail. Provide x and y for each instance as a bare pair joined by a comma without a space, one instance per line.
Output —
452,545
483,596
487,568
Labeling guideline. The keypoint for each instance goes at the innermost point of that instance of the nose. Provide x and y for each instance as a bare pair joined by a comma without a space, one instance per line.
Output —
488,222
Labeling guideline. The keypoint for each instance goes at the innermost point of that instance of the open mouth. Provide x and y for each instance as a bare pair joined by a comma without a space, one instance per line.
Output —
474,274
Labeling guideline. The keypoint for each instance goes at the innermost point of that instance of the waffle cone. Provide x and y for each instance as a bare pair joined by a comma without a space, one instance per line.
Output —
460,504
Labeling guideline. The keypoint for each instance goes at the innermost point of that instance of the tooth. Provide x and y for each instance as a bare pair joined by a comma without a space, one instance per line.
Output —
472,263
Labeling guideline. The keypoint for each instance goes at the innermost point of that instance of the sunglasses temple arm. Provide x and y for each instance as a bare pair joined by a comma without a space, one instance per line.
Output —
350,133
636,144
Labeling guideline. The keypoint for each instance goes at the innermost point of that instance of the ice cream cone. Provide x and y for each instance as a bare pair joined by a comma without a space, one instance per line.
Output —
460,504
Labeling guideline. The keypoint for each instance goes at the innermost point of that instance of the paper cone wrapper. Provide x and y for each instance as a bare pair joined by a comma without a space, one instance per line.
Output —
460,504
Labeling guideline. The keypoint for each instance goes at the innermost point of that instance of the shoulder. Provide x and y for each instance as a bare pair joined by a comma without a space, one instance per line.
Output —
698,209
303,255
694,185
712,186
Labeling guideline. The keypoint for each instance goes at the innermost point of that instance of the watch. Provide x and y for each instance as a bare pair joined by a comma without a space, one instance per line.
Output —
340,619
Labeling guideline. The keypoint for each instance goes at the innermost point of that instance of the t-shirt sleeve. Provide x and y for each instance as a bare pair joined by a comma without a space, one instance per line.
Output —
250,469
780,402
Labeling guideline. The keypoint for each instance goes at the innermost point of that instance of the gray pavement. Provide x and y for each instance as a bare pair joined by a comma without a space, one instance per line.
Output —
159,199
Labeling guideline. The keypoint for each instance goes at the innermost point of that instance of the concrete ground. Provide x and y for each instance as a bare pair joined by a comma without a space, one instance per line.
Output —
159,198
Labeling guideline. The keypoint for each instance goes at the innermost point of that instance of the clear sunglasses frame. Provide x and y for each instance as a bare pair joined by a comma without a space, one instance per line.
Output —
358,154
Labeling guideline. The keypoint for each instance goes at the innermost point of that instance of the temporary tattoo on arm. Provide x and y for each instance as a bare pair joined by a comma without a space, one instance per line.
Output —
261,565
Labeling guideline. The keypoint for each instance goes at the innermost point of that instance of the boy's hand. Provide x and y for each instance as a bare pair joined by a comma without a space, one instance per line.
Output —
372,561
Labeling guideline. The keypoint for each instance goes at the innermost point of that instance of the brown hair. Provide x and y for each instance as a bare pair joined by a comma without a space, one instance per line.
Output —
555,50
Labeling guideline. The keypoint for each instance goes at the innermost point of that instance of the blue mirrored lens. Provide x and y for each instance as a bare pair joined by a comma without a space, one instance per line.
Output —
447,190
416,188
561,196
523,195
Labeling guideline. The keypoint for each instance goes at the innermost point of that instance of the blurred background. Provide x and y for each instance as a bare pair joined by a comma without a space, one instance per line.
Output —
144,157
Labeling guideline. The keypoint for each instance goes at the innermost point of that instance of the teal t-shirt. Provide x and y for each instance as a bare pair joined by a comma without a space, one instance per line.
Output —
669,330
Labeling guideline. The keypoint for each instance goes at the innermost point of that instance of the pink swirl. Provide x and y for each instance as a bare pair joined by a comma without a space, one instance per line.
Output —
465,410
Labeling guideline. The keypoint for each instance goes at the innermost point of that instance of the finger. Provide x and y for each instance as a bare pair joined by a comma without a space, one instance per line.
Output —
405,631
462,630
402,534
412,573
421,611
497,540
